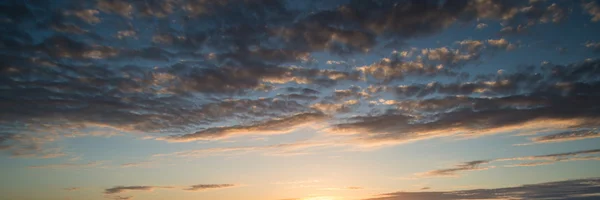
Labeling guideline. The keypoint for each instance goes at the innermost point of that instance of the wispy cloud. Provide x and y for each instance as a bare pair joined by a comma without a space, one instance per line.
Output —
275,126
138,164
467,166
283,149
72,188
69,165
199,187
567,136
532,161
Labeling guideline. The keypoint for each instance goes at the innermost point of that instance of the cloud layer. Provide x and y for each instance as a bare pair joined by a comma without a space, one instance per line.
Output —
75,78
582,189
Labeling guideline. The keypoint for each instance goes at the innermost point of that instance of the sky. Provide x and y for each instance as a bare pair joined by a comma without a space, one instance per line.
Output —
299,100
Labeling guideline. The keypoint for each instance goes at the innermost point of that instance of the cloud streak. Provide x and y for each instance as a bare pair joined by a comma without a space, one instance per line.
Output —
121,189
203,187
531,162
270,127
196,188
566,136
68,165
453,172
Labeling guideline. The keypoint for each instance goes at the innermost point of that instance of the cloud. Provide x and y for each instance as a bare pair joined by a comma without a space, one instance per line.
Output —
592,9
137,164
497,104
481,26
389,69
275,126
531,162
211,82
467,166
570,189
120,189
501,44
122,197
594,46
393,128
88,15
452,57
72,188
199,187
26,146
566,136
556,157
203,187
471,46
68,165
510,30
115,6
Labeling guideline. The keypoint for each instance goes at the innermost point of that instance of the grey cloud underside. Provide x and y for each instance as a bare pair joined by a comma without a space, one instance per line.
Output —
581,189
183,67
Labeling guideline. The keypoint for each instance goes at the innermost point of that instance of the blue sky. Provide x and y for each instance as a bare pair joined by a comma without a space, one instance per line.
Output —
304,100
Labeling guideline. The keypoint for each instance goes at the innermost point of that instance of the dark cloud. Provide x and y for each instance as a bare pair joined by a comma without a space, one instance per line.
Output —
120,189
184,66
494,104
61,46
202,187
581,189
401,128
